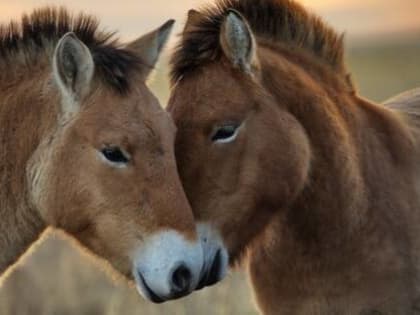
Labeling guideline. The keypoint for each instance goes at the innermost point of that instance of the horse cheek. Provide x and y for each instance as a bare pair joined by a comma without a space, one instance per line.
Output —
285,166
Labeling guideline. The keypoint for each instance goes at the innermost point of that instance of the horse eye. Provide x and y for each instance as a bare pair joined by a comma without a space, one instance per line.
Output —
225,134
114,155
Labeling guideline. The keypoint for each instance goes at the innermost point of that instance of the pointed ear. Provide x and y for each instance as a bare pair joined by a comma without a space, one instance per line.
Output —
149,46
238,42
73,69
193,17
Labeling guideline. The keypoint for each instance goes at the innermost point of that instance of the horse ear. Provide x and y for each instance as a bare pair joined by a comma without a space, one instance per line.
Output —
193,17
73,69
149,46
238,42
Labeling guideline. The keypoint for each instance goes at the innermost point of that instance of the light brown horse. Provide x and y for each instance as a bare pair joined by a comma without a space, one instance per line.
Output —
287,167
86,147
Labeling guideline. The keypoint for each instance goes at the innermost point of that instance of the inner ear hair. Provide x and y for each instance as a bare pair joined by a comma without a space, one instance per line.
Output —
238,42
73,67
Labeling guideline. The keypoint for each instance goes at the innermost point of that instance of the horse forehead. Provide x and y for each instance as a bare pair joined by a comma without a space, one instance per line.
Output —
207,94
135,106
126,116
218,78
136,123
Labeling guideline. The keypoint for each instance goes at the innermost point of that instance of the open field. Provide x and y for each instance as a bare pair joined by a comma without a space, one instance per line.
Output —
385,69
59,279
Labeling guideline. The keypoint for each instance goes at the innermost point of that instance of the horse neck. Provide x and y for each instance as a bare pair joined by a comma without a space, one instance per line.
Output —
355,215
351,162
25,118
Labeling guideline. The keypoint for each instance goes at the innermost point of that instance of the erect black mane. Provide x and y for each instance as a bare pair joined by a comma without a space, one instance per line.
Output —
40,31
277,20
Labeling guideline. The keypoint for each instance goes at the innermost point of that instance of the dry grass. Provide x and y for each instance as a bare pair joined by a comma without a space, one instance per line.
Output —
59,279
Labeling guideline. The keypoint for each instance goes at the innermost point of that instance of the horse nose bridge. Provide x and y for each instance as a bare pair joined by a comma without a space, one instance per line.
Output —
171,206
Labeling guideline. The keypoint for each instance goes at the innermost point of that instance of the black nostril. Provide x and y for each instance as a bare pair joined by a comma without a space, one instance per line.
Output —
181,280
213,276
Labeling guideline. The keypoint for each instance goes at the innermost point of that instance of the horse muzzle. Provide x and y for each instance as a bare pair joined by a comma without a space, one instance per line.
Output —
216,260
167,267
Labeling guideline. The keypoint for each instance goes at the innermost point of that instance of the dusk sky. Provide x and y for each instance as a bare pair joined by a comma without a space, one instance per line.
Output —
357,18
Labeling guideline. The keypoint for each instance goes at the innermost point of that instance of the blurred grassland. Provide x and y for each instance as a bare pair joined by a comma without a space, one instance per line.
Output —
58,279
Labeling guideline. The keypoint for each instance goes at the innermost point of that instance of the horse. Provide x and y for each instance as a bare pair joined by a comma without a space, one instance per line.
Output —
86,148
288,170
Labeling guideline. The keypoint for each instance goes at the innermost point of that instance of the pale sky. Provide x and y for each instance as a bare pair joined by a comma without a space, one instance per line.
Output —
133,17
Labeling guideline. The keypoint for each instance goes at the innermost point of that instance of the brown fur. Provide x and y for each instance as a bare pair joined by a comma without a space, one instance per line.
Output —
51,173
320,188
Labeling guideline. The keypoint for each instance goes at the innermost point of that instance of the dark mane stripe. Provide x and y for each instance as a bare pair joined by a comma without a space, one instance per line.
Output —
39,32
276,20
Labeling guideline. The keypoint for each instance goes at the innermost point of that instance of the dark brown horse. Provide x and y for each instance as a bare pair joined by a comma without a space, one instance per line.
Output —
287,167
86,147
